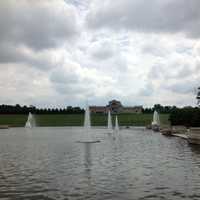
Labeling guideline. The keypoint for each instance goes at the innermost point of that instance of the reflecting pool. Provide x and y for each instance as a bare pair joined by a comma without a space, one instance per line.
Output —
48,163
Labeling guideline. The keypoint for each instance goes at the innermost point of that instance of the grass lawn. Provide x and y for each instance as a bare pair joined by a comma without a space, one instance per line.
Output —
125,119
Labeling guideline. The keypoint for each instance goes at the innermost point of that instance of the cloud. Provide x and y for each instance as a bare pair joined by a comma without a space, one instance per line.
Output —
165,16
23,85
183,87
58,53
173,82
102,50
41,59
37,24
146,91
73,80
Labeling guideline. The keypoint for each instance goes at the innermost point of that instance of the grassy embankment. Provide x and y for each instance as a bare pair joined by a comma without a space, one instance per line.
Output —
77,119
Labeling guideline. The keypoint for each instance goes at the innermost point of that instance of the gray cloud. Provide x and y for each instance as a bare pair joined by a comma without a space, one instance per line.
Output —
30,31
43,62
62,76
10,53
146,91
21,54
157,71
102,51
155,50
172,81
67,81
182,87
147,16
37,24
174,69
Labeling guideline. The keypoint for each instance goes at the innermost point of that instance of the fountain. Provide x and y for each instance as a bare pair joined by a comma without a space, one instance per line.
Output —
116,124
156,122
109,122
87,136
30,123
87,122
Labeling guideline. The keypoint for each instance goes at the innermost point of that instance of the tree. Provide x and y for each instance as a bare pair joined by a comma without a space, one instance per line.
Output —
198,96
159,108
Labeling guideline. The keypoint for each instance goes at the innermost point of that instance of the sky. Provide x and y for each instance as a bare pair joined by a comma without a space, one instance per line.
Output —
55,53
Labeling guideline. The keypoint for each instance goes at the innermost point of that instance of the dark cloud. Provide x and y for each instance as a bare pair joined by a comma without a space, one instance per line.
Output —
24,55
147,16
31,30
36,24
10,53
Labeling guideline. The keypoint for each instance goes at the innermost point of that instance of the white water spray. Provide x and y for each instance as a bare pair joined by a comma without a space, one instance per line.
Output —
156,119
116,124
30,123
109,122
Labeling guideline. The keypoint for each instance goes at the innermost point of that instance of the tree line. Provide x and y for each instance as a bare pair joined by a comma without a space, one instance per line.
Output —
160,109
18,109
174,111
188,116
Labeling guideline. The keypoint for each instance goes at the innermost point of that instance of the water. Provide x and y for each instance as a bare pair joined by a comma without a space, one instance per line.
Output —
87,135
47,163
116,124
109,122
156,119
30,121
87,121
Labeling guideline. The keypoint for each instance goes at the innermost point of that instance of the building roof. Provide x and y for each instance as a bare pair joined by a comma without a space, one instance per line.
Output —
98,107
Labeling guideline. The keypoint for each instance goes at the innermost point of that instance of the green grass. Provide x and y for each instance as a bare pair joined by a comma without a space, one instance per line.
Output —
125,119
13,120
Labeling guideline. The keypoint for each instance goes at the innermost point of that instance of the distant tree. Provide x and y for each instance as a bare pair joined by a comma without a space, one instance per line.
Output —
188,116
158,108
147,110
18,109
69,109
198,96
77,110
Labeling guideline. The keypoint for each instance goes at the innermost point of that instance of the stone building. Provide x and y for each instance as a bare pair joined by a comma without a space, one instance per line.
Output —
115,107
99,109
134,109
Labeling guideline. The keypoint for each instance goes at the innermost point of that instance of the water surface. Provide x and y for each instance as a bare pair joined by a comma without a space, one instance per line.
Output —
48,163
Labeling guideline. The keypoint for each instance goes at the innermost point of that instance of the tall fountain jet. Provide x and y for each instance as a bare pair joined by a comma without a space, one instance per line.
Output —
87,122
87,135
116,124
30,123
109,122
156,121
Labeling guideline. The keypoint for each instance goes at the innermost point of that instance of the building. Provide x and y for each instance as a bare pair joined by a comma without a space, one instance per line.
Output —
135,109
115,107
99,109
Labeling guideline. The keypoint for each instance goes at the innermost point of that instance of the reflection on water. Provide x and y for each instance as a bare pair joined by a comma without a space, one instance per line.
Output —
195,149
87,153
47,163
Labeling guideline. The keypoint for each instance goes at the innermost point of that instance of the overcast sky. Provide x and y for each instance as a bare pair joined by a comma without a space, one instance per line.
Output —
55,53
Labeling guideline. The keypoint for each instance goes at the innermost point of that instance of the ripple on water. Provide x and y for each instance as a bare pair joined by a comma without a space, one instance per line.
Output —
47,163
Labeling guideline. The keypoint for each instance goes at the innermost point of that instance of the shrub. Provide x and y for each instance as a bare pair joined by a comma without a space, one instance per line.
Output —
189,117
